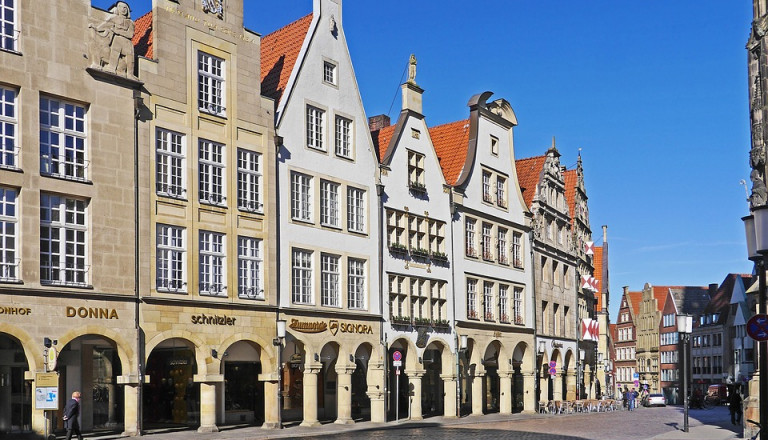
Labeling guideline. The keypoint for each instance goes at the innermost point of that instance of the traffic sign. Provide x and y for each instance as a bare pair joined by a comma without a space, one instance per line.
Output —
552,364
396,356
552,371
757,327
637,383
636,376
397,363
397,371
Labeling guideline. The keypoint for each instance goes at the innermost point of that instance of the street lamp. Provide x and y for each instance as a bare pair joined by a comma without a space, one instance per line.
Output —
278,343
684,328
580,374
756,227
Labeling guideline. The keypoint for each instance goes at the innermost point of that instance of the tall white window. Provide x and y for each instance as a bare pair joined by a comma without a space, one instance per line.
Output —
249,180
301,197
302,276
171,164
329,203
501,191
62,139
63,231
9,224
356,283
488,300
8,126
470,237
487,193
329,72
517,305
213,278
171,258
486,242
501,245
355,209
211,173
416,173
210,84
329,279
250,265
517,249
315,124
504,303
343,137
9,34
472,299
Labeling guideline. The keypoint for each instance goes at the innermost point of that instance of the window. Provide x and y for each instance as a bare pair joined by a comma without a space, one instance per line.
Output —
212,255
487,195
470,237
170,166
416,171
396,232
517,305
486,242
301,197
494,146
8,125
517,250
417,236
249,181
9,223
8,33
356,283
329,279
249,268
315,123
343,137
436,239
488,300
302,276
329,203
171,258
501,191
503,303
62,139
329,73
355,209
501,245
437,295
472,299
210,84
62,241
211,173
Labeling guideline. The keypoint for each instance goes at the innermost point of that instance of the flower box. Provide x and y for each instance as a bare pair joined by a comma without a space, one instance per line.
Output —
397,248
419,252
519,320
400,320
417,187
440,256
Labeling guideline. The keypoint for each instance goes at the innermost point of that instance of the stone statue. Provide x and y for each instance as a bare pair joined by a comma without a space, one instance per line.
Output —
111,48
412,69
759,192
215,7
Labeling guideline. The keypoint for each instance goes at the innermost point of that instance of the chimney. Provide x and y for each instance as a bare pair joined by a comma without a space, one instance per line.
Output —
712,289
378,122
605,233
626,289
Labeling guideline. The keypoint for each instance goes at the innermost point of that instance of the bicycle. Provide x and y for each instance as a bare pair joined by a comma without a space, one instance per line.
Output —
757,434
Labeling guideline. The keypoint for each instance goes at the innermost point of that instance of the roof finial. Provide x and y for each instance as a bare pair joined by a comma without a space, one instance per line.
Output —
412,69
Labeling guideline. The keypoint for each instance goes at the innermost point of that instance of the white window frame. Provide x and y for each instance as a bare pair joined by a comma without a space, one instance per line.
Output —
503,303
469,237
171,256
315,127
301,196
301,276
501,191
330,280
210,84
65,220
249,181
472,299
63,139
171,164
517,305
330,72
485,241
344,133
488,307
356,283
9,32
211,171
9,124
501,245
517,249
330,208
9,235
250,268
213,267
487,193
356,209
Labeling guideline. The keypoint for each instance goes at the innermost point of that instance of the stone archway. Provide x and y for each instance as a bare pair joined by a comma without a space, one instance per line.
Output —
172,397
360,400
15,391
242,398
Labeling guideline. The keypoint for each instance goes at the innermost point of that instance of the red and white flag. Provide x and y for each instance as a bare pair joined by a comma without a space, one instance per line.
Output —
590,330
589,247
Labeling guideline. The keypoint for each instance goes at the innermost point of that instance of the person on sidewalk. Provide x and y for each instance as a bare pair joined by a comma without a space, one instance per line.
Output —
632,397
71,413
734,405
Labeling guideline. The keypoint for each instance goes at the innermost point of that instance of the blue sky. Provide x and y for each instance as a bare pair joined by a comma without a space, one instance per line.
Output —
654,93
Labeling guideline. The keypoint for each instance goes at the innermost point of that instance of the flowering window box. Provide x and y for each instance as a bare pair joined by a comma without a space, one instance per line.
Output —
472,314
417,187
489,316
519,320
400,320
420,253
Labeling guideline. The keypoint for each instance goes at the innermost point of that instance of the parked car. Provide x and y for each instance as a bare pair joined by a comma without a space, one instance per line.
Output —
718,394
656,400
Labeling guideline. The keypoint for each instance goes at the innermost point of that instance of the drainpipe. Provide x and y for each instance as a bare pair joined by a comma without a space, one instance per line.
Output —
137,100
382,336
453,295
537,371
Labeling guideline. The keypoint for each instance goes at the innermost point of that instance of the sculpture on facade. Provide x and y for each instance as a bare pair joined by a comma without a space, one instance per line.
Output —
215,7
110,48
412,69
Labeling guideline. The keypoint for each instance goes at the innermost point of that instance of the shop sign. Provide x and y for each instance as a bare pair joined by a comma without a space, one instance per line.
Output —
345,327
213,319
91,312
308,327
15,311
333,325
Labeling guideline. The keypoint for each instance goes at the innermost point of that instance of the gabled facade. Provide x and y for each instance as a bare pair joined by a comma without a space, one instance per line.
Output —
207,220
493,294
625,344
670,356
417,259
739,360
648,319
709,338
329,218
554,272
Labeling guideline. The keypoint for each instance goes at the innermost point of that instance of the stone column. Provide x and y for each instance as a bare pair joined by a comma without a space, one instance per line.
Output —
271,401
543,387
570,384
375,391
558,385
131,403
414,377
208,385
344,394
529,397
311,370
477,393
505,392
449,395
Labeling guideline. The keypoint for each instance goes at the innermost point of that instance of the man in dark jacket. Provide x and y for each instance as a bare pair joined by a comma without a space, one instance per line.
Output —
71,413
734,405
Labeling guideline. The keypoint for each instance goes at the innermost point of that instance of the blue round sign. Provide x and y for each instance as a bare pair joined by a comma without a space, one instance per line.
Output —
396,356
757,327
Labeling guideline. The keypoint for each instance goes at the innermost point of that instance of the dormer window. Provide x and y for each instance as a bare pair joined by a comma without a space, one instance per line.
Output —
329,73
494,146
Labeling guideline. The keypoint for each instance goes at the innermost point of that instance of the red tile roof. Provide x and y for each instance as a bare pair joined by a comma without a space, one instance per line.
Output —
451,142
279,52
381,139
597,262
528,175
635,298
661,293
143,36
571,179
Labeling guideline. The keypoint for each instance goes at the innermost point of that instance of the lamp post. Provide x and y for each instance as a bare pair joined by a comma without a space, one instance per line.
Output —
684,328
580,374
542,347
756,227
278,343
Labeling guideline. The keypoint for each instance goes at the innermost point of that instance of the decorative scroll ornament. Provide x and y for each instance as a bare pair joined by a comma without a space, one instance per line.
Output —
110,48
215,7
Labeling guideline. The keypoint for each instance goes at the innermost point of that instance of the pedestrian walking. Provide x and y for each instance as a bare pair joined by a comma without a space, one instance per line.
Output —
734,405
71,413
625,398
632,397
